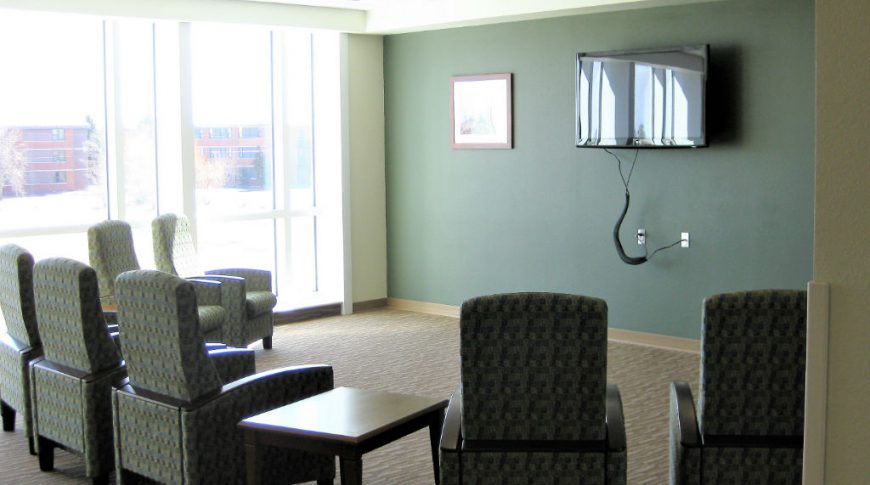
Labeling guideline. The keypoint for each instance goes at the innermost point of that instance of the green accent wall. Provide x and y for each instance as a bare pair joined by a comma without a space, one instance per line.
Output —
539,217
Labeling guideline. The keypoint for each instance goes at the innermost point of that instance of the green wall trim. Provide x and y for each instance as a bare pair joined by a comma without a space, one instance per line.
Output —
462,223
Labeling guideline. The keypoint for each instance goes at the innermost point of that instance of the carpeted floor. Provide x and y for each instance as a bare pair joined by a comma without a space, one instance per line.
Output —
409,352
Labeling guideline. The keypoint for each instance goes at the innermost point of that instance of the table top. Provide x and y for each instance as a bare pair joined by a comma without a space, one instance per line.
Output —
344,414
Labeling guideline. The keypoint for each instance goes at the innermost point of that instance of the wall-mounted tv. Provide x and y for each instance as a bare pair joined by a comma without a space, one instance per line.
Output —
652,98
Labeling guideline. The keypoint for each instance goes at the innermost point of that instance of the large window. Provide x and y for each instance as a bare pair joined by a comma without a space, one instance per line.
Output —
52,127
99,121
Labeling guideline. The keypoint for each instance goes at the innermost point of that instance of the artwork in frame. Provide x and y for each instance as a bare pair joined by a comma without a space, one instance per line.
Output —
480,111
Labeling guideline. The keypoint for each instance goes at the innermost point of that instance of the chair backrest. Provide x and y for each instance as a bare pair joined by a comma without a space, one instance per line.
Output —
174,250
533,367
163,346
111,252
752,363
71,322
16,294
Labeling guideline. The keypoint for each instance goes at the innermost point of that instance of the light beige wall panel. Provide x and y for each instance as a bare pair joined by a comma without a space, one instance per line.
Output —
367,173
842,228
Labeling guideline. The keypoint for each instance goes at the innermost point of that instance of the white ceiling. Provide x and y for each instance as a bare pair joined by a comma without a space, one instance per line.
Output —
394,16
351,4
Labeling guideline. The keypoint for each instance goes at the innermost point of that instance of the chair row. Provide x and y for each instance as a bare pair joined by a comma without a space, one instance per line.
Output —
534,406
167,410
238,314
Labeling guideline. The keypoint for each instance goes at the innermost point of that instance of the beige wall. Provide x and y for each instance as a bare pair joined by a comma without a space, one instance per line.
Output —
367,175
842,228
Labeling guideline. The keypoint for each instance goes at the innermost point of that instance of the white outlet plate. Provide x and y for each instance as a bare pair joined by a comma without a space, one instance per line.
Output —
684,239
641,237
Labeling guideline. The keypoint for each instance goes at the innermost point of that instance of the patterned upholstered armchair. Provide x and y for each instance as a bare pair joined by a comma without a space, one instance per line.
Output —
72,386
174,422
248,293
533,405
20,344
750,425
111,252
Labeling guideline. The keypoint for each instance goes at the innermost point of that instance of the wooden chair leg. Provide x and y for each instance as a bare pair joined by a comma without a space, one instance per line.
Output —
46,454
267,342
31,446
8,413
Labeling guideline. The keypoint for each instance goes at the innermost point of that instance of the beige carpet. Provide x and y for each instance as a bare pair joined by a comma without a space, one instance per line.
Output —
409,352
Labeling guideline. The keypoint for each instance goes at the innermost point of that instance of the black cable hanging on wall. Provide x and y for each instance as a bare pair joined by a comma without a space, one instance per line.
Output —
632,260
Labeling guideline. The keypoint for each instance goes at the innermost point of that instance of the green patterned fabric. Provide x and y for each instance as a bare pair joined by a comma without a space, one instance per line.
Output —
21,343
174,251
111,252
70,316
737,466
174,422
242,306
212,307
511,348
71,386
160,334
232,364
533,384
247,293
751,393
530,468
752,363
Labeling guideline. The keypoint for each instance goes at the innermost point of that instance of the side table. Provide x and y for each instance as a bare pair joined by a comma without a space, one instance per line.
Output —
346,422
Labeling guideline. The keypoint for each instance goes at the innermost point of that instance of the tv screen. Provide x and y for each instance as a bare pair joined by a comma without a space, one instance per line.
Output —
642,99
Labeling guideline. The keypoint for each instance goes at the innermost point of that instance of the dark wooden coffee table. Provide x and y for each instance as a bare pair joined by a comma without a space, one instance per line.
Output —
346,422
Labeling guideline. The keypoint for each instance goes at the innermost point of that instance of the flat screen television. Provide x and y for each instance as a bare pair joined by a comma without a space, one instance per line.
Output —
652,98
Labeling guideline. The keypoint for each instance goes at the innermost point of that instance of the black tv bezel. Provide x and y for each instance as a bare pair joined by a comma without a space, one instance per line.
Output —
706,50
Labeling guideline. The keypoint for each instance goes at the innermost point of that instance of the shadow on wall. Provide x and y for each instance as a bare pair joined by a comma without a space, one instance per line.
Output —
724,116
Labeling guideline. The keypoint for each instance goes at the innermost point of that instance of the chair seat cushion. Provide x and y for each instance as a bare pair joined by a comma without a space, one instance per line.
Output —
211,318
259,302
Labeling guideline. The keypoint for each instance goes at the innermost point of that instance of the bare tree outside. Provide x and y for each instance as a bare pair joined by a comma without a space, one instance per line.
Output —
13,161
212,167
93,149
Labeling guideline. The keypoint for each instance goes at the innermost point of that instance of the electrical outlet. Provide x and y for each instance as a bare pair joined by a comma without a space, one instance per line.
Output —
641,237
684,239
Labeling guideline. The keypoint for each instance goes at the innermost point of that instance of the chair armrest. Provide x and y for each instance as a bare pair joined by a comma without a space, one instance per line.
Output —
233,289
614,419
208,292
451,432
19,346
232,364
271,389
683,416
684,444
116,373
256,279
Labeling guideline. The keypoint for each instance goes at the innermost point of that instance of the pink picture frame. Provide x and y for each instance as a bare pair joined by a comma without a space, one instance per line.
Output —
480,111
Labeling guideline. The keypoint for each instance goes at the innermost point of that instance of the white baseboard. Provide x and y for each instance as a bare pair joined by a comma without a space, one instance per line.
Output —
615,334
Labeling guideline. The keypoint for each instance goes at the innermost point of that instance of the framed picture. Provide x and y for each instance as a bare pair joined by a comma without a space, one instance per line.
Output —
480,111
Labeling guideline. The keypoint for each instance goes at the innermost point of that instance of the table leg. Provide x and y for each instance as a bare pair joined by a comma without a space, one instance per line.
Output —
252,471
351,470
435,425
